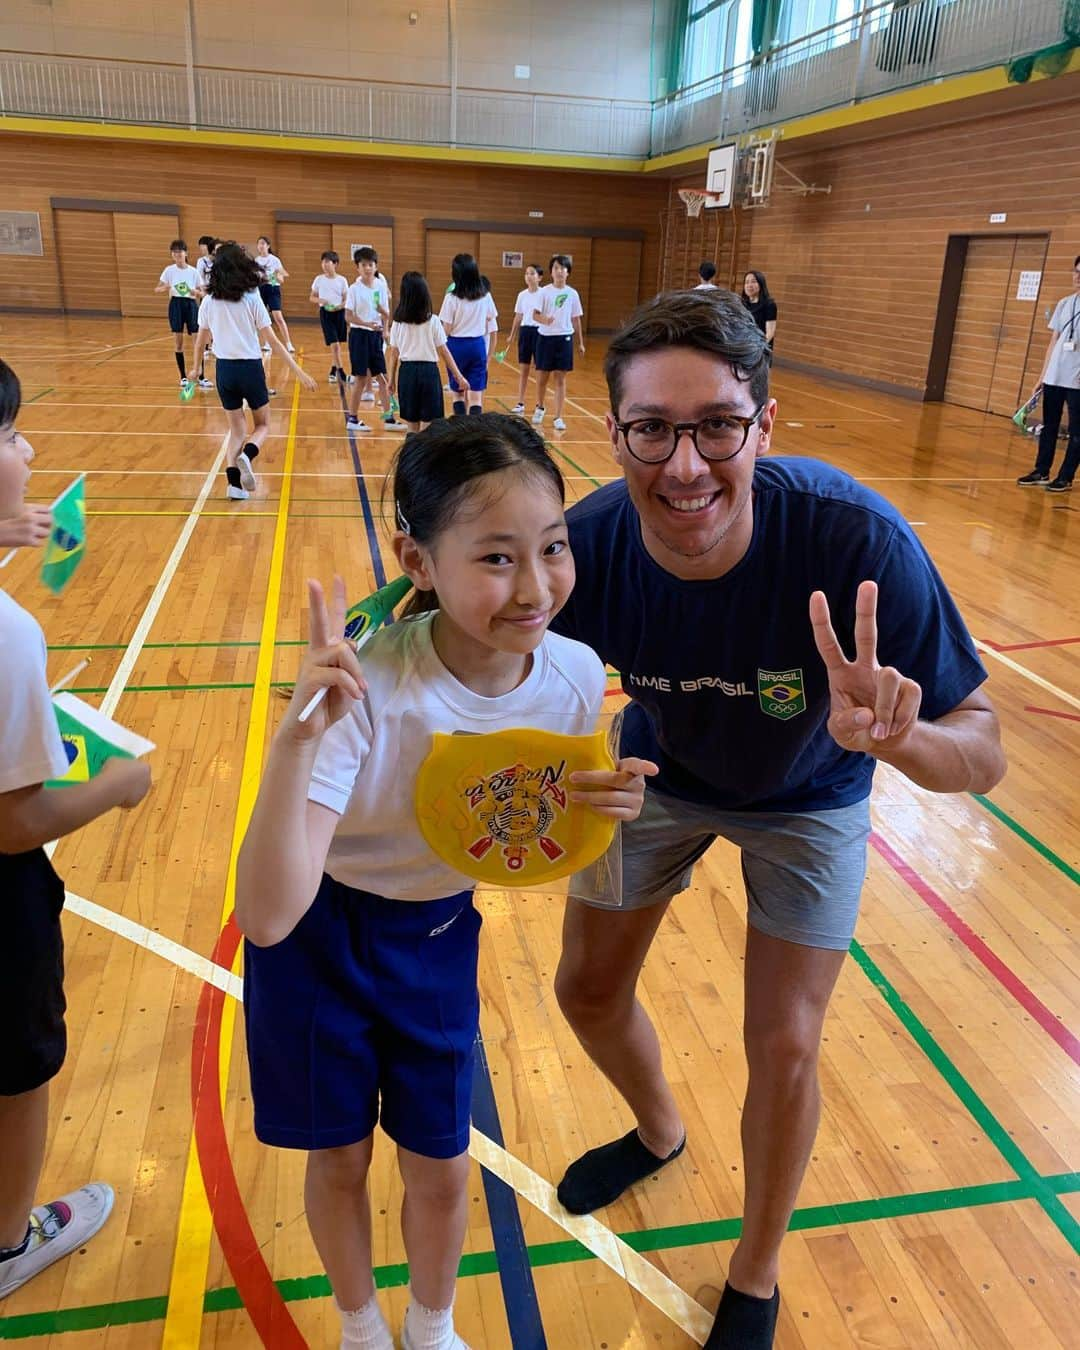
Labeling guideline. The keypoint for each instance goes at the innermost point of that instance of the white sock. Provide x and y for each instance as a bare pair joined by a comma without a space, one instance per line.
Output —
365,1329
430,1328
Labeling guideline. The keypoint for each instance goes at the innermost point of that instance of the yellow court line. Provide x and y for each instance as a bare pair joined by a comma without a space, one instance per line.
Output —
191,1256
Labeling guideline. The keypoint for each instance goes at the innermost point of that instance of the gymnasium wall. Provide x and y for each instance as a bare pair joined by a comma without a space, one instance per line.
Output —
609,222
601,49
858,274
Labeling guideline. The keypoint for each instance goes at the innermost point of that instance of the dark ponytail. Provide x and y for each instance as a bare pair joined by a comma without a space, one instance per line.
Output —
438,470
10,395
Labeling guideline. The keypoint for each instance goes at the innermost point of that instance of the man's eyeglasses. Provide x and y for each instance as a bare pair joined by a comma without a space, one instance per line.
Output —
652,440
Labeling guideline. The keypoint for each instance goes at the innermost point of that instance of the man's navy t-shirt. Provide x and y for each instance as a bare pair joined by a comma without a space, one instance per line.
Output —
730,696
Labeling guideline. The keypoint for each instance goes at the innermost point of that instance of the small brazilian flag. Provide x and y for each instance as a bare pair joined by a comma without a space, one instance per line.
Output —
67,539
90,738
374,611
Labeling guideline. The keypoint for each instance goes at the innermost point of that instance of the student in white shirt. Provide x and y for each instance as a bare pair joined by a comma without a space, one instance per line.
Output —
706,272
469,315
34,1041
525,328
234,315
273,274
360,966
417,340
559,316
367,316
329,291
181,280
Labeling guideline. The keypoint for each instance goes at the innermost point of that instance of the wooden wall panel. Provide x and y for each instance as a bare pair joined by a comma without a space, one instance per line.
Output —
439,251
987,268
299,245
86,249
142,253
30,283
613,283
235,193
857,274
1017,318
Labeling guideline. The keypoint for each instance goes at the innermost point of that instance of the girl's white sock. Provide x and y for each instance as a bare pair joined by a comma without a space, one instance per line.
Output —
430,1328
365,1329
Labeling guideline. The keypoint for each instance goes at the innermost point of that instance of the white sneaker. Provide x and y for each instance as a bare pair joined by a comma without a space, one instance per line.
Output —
236,494
352,379
538,415
57,1229
247,473
518,408
559,424
204,383
290,348
369,397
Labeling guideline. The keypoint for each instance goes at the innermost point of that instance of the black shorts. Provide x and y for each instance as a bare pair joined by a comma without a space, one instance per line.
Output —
271,296
420,391
240,379
527,344
366,355
334,327
183,313
32,1003
555,353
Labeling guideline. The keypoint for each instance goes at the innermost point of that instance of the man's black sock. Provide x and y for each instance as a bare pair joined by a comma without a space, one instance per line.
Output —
601,1175
744,1322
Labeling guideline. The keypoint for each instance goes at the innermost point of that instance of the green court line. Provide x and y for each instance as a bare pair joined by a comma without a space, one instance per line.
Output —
178,688
554,445
1042,849
542,1254
162,646
51,389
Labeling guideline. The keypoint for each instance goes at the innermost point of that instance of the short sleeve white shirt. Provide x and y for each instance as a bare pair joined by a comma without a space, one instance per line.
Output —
31,750
706,286
367,763
331,291
235,326
181,281
1064,366
526,305
271,268
469,318
418,341
564,306
203,266
365,302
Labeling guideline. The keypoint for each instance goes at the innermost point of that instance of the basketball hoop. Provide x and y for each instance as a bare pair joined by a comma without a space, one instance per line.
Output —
694,199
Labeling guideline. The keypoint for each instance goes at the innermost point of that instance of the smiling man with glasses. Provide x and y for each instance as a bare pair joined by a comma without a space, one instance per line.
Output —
737,594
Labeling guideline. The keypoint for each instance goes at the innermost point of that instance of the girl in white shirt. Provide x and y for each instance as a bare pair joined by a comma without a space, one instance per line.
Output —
525,328
360,986
559,316
235,316
469,316
273,274
417,339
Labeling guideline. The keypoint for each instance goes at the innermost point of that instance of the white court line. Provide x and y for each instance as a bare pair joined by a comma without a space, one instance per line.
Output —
82,354
273,473
1070,699
651,1282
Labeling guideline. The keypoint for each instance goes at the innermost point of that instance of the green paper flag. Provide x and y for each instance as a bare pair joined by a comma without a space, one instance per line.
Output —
500,357
90,739
187,391
371,613
67,539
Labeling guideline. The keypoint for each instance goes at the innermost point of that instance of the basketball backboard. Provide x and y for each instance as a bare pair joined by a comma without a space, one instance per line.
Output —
720,176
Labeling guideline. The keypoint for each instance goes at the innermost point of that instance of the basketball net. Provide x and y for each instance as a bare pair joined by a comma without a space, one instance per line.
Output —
694,199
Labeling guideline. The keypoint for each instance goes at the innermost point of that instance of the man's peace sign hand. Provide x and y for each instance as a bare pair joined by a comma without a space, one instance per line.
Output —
872,707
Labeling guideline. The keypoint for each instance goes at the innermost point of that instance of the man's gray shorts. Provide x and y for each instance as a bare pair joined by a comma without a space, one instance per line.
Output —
803,870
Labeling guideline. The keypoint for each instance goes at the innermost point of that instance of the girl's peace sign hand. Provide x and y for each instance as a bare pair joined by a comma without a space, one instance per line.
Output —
330,662
872,707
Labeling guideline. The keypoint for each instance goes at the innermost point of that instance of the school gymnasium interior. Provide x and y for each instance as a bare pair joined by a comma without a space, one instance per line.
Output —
905,175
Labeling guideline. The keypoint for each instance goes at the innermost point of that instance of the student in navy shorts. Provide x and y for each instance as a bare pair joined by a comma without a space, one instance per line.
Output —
360,988
183,283
469,317
526,329
559,315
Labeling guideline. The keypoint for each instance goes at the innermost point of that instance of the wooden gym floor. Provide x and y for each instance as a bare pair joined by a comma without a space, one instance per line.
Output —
942,1206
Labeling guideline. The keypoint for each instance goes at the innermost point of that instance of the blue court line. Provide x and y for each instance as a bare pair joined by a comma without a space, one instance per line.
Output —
507,1234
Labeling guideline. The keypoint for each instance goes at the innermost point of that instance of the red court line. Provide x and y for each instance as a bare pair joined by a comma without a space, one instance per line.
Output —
1005,976
1030,646
260,1295
1052,712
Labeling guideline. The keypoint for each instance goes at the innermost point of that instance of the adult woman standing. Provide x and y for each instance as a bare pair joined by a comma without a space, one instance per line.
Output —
1060,384
756,298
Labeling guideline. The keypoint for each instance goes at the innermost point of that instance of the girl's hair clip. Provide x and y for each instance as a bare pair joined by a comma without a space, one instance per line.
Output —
403,524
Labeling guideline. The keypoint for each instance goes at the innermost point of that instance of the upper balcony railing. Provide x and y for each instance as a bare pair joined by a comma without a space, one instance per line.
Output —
884,47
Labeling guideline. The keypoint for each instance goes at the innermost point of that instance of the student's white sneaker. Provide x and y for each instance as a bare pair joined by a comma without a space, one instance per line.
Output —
538,415
352,379
204,383
518,408
236,494
368,397
247,473
55,1230
559,424
290,348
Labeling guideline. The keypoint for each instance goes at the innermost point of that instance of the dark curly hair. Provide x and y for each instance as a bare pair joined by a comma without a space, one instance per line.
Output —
234,273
